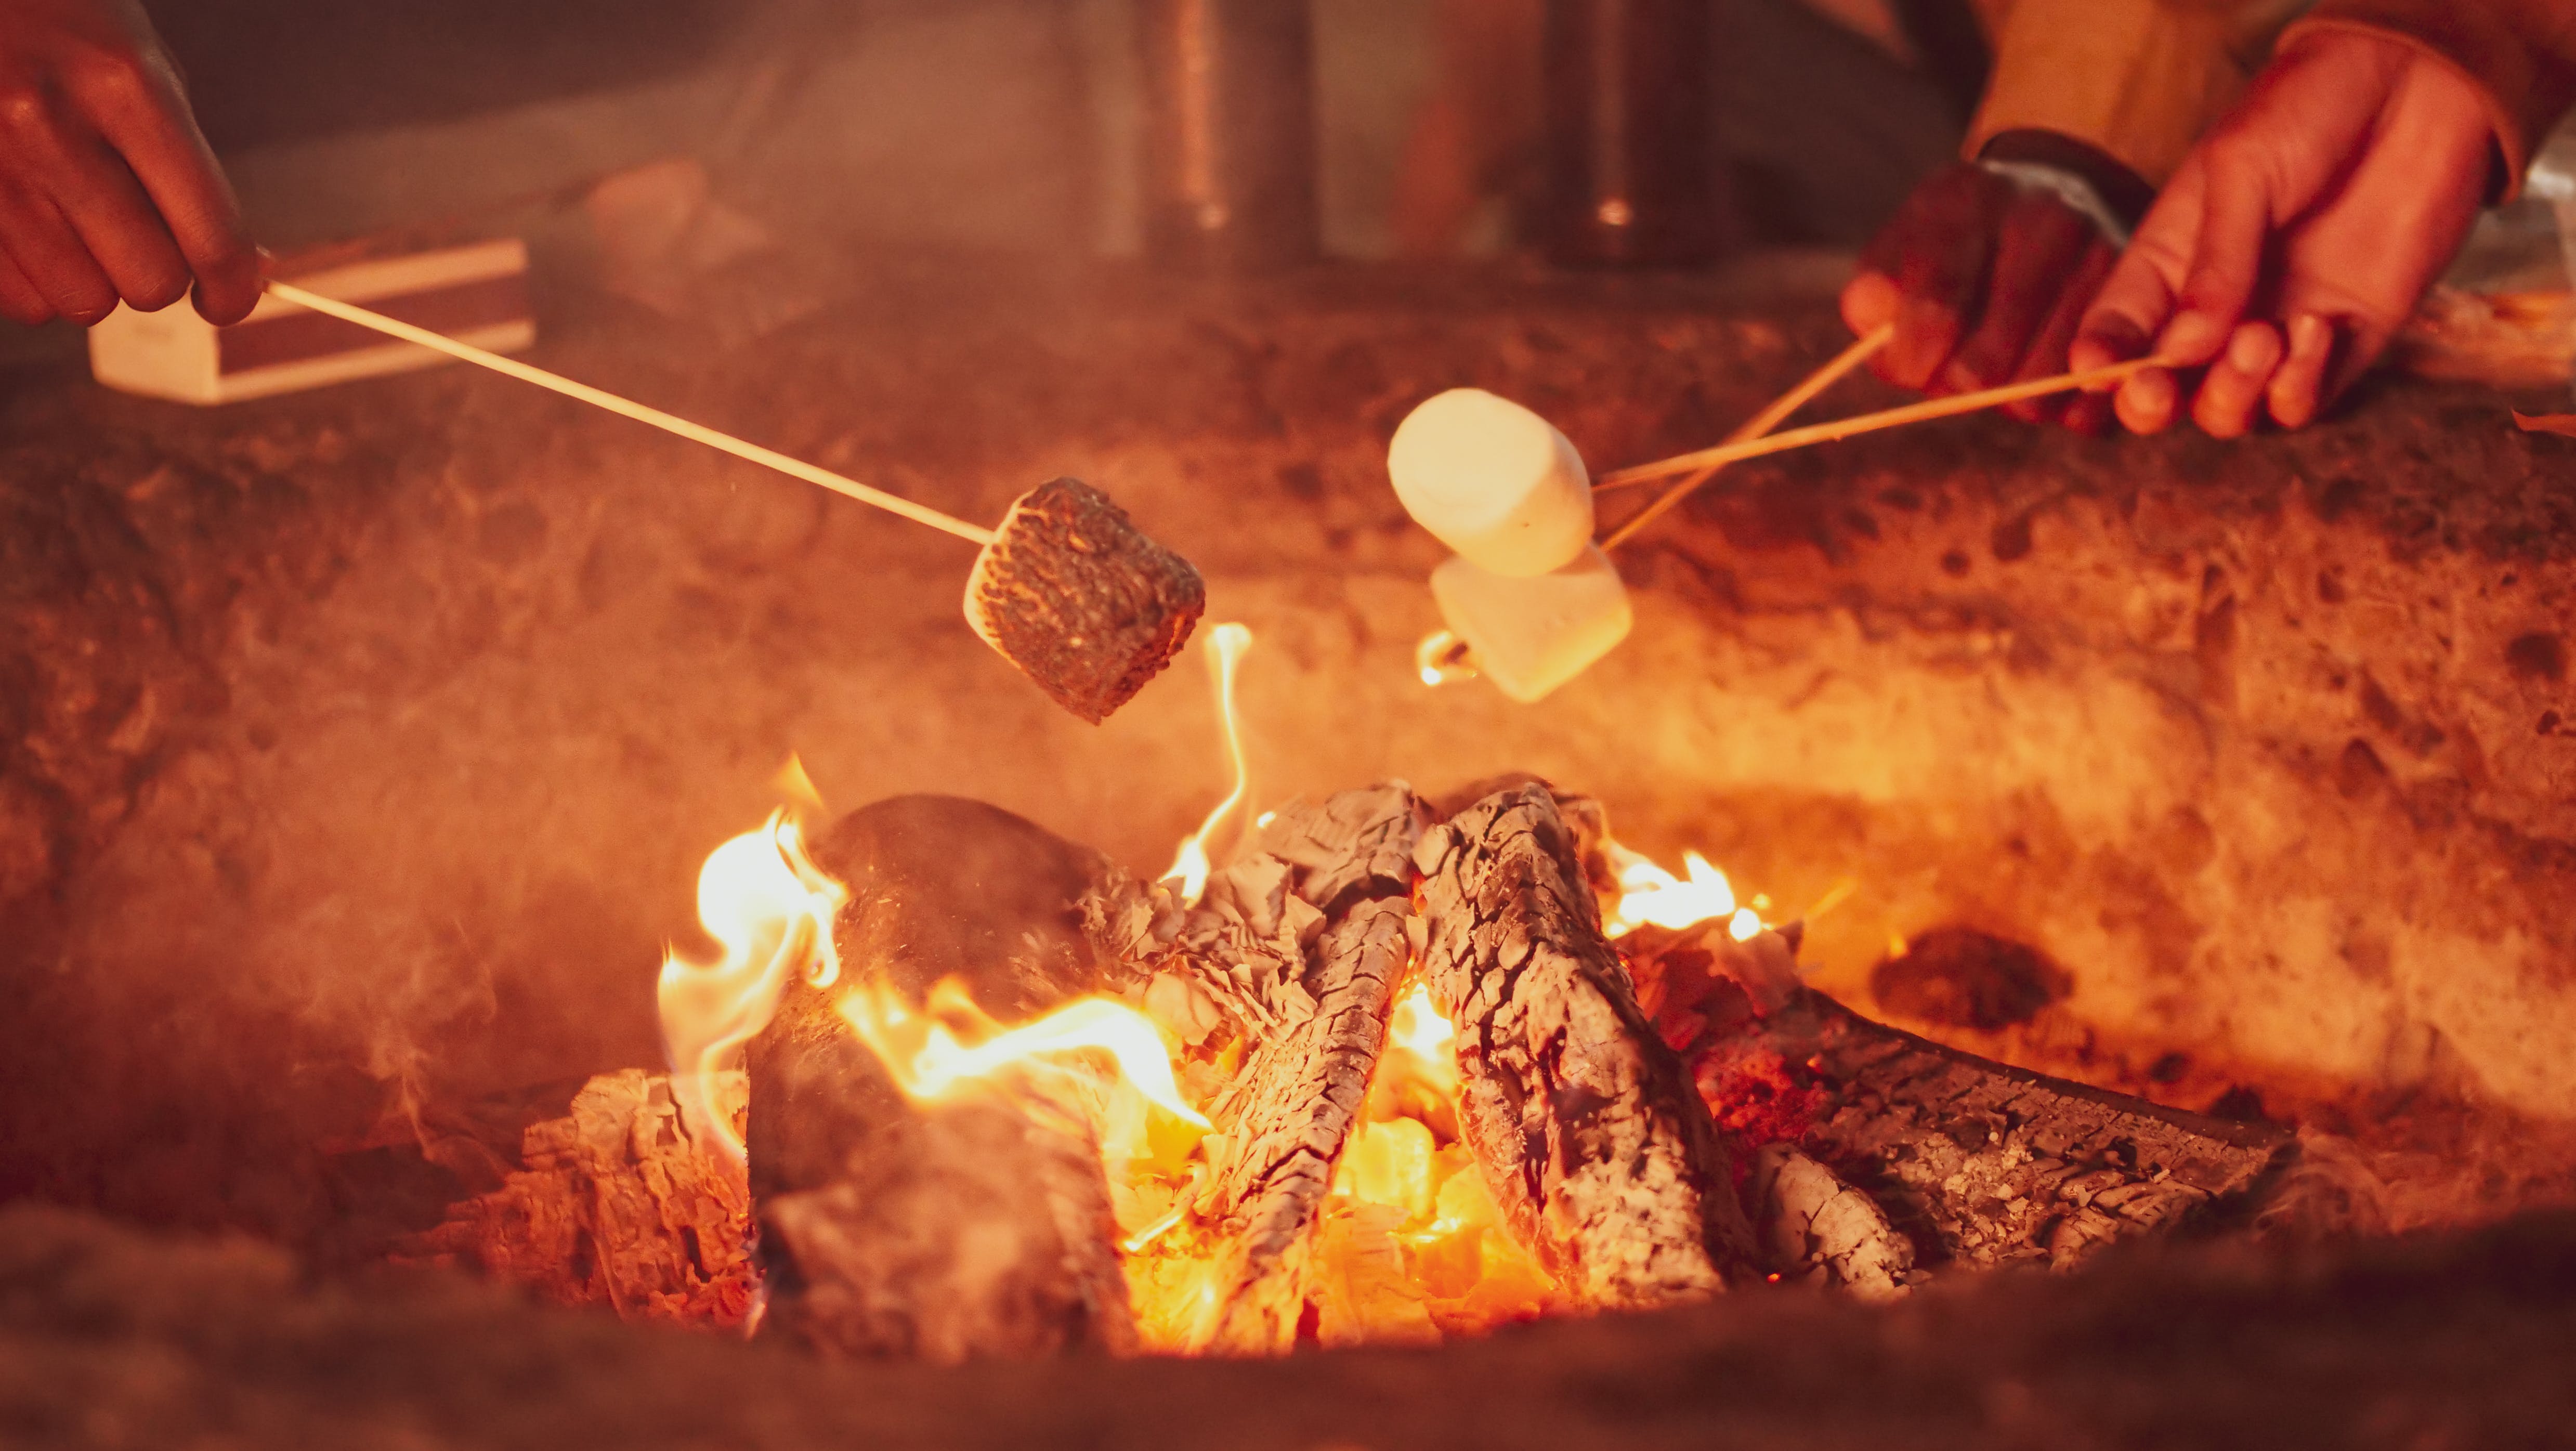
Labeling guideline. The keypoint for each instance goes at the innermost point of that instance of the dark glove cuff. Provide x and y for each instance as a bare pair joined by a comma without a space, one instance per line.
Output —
2124,191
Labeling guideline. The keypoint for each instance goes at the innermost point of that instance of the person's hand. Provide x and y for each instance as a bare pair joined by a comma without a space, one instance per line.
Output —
2297,237
1985,281
107,189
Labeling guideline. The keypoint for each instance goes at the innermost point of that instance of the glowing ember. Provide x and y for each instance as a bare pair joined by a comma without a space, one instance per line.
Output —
1412,1246
770,908
1416,1027
1225,646
929,1060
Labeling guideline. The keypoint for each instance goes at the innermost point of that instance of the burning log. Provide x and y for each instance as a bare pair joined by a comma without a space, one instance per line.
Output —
952,1232
944,887
1602,1158
947,1231
614,1204
1301,943
1980,1164
1302,1089
1814,1224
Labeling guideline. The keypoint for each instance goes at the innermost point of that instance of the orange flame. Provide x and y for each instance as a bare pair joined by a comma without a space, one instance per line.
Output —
1416,1027
1225,647
1651,896
1413,1245
770,908
929,1061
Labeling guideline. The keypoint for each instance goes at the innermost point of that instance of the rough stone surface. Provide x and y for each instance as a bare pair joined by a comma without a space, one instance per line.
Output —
113,1338
365,743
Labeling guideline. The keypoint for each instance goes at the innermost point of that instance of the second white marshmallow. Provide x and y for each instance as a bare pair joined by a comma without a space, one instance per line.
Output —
1493,481
1532,635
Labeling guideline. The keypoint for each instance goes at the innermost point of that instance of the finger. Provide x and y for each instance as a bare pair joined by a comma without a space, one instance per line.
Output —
50,256
2147,401
20,302
1869,302
1937,252
2047,354
2042,242
2298,386
2234,387
2226,257
2138,298
108,211
140,111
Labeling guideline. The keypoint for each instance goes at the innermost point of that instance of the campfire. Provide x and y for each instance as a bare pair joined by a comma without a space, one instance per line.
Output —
1400,1070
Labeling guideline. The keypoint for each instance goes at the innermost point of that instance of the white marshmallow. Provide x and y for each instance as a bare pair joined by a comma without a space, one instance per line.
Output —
1493,481
1533,635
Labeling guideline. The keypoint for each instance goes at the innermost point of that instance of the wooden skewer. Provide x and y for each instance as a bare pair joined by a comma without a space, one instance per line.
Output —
1928,409
601,398
1755,427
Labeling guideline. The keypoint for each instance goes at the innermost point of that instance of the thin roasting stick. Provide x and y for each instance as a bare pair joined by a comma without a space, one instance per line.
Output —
891,503
1922,412
1759,424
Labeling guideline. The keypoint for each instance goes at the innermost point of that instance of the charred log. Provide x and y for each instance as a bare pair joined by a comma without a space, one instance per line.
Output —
1980,1164
888,1228
612,1204
941,886
1583,1122
1302,1089
1813,1226
960,1231
1298,944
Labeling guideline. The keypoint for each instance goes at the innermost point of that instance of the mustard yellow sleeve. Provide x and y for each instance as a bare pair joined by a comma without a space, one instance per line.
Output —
2138,80
2521,53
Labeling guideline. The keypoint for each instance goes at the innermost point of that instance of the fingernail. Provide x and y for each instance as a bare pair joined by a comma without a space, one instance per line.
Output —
2311,337
2246,351
2192,337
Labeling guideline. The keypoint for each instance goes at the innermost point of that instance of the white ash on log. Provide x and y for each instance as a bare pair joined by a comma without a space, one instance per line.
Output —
1979,1163
614,1204
1589,1133
1073,593
945,1232
1811,1223
1328,889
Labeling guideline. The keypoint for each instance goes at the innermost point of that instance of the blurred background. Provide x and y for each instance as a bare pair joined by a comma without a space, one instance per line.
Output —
1010,123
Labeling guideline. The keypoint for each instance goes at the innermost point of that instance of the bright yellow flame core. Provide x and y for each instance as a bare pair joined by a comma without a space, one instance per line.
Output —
1226,644
930,1062
770,909
1412,1246
1652,896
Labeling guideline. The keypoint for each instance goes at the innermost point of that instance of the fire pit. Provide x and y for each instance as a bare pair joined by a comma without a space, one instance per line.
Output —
2135,840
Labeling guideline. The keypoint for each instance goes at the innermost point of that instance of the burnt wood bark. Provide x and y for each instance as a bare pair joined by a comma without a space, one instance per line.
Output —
1979,1163
1585,1125
948,1231
1303,1087
1298,944
610,1204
